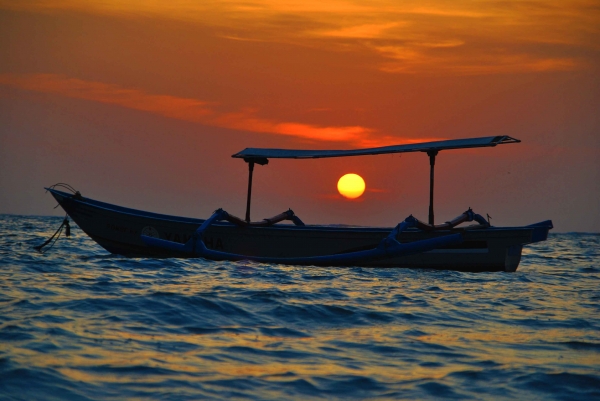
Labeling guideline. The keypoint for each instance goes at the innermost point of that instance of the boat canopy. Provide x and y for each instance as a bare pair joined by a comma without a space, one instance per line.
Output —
261,156
488,141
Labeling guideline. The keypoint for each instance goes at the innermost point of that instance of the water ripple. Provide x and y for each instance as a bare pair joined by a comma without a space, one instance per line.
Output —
79,324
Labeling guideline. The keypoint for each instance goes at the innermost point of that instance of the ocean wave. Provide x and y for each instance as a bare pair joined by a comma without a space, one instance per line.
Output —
79,324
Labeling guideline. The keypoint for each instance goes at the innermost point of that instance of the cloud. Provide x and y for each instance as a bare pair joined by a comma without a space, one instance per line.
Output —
192,110
246,121
165,105
471,38
420,59
365,31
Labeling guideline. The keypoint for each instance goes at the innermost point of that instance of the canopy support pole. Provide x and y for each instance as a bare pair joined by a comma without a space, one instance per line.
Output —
250,170
432,154
251,160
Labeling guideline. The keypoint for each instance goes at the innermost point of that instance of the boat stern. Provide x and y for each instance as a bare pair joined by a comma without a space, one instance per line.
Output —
540,231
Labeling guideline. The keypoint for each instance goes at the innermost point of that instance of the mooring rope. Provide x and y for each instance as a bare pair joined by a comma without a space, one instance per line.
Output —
65,222
65,225
64,185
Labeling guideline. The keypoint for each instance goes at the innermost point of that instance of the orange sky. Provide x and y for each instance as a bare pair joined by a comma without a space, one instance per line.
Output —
142,103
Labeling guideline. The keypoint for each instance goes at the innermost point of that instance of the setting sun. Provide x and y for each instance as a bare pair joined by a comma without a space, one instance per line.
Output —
351,186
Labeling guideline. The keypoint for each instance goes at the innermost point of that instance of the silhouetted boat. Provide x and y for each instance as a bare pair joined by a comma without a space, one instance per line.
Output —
412,243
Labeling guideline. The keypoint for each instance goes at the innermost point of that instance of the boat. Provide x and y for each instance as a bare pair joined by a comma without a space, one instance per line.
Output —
285,239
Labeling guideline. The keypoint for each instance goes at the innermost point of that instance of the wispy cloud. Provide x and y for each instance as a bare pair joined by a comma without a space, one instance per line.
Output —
366,31
412,60
462,37
192,110
247,121
169,106
378,190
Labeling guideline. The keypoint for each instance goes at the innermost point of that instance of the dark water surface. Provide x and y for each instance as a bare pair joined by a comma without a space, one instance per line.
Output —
80,324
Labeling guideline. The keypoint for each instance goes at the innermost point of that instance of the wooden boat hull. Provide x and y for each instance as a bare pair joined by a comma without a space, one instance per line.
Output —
118,230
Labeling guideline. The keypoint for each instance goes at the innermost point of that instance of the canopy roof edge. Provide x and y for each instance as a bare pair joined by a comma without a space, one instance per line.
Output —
489,141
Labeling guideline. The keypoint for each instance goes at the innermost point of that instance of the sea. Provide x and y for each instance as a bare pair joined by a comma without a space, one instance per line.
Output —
77,323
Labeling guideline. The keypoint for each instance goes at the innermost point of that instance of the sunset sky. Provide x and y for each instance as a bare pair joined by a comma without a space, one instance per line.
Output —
141,103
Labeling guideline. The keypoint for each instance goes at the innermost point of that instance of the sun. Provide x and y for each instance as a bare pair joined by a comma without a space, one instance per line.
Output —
351,186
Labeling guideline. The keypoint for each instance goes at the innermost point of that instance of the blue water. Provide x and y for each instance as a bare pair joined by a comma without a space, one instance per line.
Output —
79,324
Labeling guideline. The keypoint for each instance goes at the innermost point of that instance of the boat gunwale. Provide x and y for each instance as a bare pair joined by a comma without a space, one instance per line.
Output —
110,207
